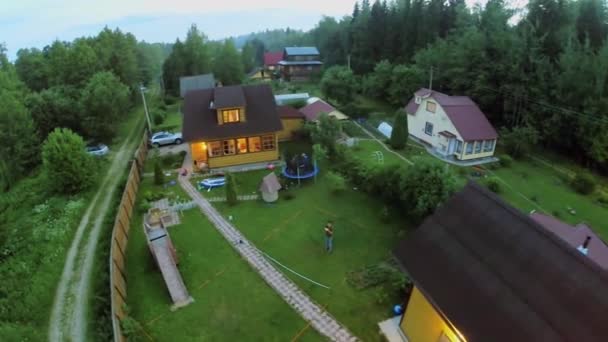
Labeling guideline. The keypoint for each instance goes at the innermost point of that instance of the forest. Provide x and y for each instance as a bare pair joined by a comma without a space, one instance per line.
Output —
543,67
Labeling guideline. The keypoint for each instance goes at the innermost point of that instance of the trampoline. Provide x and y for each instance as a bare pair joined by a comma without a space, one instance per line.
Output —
300,166
293,174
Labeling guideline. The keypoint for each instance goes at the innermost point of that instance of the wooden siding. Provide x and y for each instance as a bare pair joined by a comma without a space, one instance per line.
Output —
422,323
290,125
245,158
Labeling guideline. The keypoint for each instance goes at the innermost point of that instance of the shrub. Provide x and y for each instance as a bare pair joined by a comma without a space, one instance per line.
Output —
162,106
159,118
168,128
159,176
583,183
556,214
337,184
289,196
169,100
603,198
506,160
534,198
518,141
493,185
66,162
231,192
399,135
385,215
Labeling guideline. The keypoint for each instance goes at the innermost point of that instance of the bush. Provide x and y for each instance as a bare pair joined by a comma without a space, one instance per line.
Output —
159,118
297,104
66,162
162,107
506,160
603,198
289,196
399,135
159,176
493,185
169,100
518,141
231,191
583,183
337,184
168,128
385,215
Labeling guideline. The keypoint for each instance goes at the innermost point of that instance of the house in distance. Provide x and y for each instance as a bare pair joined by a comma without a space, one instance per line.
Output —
453,125
300,63
231,125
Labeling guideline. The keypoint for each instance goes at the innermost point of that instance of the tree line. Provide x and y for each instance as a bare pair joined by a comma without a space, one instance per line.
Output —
545,67
86,86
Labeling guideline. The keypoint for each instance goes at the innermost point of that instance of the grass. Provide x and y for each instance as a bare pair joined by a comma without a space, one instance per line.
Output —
352,130
231,300
292,232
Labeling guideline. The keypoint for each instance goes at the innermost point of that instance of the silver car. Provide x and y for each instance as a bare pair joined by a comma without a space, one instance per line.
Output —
97,150
165,138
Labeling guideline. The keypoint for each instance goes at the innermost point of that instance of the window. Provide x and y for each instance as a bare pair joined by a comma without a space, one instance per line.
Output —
488,145
241,145
229,147
478,145
268,142
459,146
231,115
428,128
418,100
215,149
469,147
255,144
431,106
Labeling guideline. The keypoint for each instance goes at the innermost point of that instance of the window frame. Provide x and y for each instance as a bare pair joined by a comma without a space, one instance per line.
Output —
478,146
426,130
488,145
227,147
433,104
250,143
459,146
226,114
468,150
238,146
268,138
210,149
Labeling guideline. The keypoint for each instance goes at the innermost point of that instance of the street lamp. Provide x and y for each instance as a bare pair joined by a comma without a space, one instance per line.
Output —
142,89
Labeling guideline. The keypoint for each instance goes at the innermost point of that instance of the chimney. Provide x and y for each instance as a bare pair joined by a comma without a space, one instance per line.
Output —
584,248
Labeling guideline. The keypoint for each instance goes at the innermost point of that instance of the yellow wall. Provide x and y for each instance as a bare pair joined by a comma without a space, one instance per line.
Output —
290,125
198,151
474,155
422,323
245,158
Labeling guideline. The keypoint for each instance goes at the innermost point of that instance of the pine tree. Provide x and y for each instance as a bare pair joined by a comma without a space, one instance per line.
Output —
399,135
231,189
159,176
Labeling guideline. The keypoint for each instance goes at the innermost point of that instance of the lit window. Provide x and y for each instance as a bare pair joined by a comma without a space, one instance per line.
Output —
430,106
428,128
255,144
469,147
478,146
215,149
229,147
231,115
242,145
488,145
268,142
459,147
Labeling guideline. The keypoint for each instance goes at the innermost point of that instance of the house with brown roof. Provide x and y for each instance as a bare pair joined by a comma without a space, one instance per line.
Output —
300,63
453,125
231,125
316,107
271,60
484,271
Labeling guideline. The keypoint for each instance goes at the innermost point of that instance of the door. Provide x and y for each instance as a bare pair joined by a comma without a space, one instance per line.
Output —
452,146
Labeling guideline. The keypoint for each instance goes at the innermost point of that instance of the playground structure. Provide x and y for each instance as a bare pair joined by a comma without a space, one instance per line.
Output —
301,166
159,241
378,156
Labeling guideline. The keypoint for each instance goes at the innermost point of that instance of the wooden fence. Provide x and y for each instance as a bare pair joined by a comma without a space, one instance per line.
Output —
120,237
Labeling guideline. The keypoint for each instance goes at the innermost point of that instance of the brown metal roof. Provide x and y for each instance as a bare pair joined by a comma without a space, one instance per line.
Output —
229,96
498,276
470,122
200,120
597,250
289,112
315,109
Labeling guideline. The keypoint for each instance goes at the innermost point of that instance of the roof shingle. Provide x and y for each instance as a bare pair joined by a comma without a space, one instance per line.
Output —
499,276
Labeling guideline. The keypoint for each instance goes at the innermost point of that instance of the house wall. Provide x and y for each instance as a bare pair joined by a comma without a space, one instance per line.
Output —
416,123
422,323
198,151
246,158
290,125
482,154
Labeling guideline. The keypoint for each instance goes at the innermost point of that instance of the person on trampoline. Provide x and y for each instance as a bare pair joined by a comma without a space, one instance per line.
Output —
329,236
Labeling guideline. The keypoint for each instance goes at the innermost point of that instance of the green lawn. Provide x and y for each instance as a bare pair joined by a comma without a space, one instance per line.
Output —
232,302
292,232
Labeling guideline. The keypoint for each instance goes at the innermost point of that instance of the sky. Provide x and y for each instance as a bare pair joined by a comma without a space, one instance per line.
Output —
36,23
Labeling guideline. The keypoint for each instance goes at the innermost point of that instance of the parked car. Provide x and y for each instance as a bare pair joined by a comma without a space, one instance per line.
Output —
97,150
165,138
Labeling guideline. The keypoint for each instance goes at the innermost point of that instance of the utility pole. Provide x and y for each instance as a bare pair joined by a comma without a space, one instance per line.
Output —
143,97
431,80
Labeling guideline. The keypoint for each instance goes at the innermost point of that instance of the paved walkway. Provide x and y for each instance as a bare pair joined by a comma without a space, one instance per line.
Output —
240,198
318,318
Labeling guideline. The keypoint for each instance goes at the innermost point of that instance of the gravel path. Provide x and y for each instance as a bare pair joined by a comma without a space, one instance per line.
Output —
69,313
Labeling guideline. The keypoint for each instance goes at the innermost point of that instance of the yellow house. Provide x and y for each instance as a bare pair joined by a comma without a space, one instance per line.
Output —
231,125
292,120
453,125
485,272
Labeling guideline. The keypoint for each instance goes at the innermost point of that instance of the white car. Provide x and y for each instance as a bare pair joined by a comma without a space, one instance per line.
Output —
97,150
165,138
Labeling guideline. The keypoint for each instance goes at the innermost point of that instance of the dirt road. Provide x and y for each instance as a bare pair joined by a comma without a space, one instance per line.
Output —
69,312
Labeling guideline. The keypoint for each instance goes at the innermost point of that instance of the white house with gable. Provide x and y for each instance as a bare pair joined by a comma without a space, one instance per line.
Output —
453,125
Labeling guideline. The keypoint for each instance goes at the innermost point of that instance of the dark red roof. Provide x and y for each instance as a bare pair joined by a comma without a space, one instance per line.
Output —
498,276
229,96
289,112
470,122
200,118
313,110
273,58
597,250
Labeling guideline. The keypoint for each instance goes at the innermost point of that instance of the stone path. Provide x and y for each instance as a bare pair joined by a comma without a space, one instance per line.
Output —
240,198
318,318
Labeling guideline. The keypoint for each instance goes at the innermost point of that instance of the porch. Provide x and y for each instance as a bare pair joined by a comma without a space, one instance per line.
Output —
440,154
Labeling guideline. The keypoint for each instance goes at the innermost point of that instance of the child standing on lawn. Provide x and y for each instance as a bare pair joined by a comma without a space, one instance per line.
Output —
329,236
